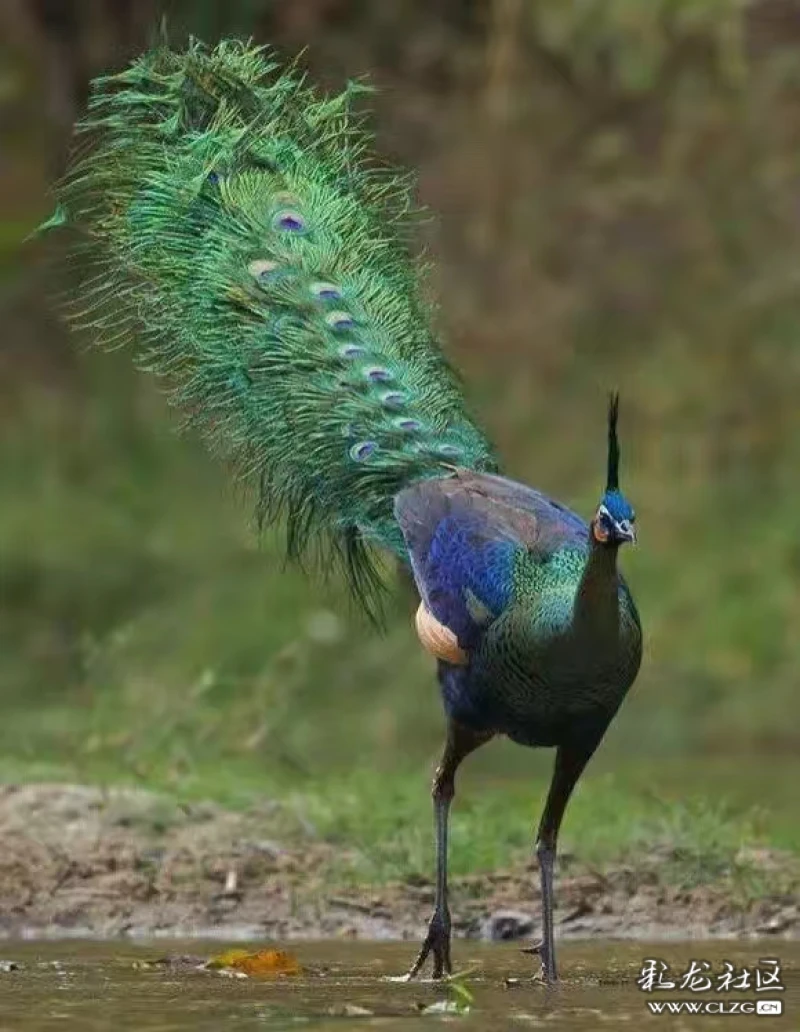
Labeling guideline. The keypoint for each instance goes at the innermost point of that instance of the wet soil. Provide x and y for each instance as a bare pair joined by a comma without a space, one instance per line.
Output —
78,860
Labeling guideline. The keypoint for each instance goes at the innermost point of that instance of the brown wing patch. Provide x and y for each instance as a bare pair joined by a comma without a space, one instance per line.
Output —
438,639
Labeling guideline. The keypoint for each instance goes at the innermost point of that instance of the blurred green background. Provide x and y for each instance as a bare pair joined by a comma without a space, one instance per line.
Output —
614,188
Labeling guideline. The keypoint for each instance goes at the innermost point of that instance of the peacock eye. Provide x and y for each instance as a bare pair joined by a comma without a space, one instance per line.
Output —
393,399
340,321
351,351
263,270
289,221
409,426
363,450
323,291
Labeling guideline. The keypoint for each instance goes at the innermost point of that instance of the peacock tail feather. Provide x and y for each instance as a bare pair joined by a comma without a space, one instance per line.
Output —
243,238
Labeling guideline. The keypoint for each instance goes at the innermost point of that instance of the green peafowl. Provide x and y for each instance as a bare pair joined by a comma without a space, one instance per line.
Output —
239,230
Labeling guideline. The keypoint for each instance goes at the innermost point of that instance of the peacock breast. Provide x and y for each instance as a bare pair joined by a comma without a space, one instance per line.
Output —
538,668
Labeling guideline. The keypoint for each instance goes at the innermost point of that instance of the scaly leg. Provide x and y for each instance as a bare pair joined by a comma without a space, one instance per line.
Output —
461,741
570,762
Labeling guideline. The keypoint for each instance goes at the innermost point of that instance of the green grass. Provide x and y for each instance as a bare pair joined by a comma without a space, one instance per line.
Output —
492,827
383,828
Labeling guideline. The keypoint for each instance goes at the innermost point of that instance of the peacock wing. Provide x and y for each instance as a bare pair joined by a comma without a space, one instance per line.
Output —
465,534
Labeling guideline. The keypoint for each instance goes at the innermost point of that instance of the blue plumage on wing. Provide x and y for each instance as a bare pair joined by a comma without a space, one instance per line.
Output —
464,535
460,569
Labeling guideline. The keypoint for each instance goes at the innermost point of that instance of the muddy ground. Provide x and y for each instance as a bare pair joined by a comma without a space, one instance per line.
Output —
78,860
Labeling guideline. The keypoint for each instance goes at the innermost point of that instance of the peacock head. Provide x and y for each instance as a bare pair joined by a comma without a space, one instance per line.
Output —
613,523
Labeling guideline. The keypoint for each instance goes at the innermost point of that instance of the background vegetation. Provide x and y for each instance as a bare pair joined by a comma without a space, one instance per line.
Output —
614,192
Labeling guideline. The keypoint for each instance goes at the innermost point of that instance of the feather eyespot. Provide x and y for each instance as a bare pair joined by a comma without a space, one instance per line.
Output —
263,270
408,426
363,450
378,374
351,351
393,400
325,291
443,449
289,221
340,321
213,178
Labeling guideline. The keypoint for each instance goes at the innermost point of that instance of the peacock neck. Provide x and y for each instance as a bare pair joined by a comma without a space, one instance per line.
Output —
596,602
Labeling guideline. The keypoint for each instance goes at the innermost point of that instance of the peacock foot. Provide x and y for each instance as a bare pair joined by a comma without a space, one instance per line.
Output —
437,942
539,949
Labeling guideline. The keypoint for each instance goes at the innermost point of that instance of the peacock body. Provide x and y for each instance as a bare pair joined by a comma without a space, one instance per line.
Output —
551,629
241,236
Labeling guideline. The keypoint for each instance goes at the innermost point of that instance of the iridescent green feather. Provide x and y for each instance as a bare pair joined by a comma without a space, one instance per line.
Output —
245,241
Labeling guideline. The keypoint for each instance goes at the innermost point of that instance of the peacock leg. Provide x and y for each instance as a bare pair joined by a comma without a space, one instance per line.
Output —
570,762
461,741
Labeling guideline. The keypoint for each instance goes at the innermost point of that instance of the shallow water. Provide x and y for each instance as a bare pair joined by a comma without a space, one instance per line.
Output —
94,986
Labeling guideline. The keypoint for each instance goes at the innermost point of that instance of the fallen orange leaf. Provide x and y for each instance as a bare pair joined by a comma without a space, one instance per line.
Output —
263,962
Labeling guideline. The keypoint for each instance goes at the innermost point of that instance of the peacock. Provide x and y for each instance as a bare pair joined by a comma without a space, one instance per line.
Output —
240,232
